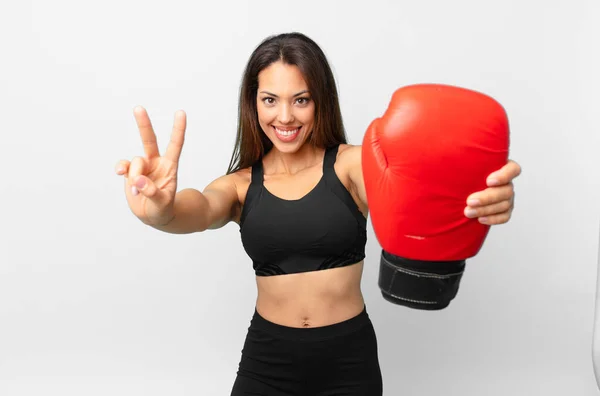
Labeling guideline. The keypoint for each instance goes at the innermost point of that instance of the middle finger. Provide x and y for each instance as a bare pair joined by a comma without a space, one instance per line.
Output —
146,132
492,195
489,210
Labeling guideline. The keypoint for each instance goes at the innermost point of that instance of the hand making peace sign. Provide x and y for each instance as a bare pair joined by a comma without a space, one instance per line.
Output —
151,181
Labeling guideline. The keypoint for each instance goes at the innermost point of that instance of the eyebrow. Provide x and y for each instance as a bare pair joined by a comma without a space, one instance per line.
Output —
272,94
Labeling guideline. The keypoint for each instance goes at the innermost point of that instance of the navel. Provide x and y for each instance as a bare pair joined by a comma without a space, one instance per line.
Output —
306,323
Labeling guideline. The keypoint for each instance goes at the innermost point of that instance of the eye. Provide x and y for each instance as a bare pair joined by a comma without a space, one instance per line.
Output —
268,100
303,101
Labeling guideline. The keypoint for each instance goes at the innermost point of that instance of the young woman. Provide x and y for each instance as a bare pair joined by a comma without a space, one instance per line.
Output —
296,189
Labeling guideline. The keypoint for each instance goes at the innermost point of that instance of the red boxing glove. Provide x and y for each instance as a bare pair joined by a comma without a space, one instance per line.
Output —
434,146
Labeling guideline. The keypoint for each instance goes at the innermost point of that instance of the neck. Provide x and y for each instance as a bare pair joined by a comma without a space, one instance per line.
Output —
292,163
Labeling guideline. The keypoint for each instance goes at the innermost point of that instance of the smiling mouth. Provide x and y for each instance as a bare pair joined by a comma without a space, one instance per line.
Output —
287,131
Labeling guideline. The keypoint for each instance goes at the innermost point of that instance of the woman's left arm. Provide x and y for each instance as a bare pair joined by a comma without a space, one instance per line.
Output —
491,206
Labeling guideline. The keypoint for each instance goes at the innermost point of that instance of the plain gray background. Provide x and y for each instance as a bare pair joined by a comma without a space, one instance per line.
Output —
92,302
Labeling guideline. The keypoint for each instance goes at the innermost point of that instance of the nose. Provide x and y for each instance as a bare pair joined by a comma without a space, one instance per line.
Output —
285,114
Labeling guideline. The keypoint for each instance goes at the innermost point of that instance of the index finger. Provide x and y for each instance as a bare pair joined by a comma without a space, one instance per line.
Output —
177,137
146,132
491,195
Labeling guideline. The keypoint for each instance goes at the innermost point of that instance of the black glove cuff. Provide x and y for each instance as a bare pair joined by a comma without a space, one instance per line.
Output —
425,285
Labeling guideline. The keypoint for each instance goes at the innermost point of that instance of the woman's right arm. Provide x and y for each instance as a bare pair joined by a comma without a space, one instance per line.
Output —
196,211
151,186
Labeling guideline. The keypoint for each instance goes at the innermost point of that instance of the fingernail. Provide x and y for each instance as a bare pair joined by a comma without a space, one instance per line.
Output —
140,183
134,190
483,220
493,182
473,202
120,170
470,212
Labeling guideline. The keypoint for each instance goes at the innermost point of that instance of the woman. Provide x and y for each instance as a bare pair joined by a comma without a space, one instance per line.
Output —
295,188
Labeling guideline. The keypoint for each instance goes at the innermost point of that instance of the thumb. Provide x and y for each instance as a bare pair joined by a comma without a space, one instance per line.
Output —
146,187
374,159
374,163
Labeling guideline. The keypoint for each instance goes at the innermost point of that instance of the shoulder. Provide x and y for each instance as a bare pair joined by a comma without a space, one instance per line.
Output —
231,180
349,156
349,169
349,151
229,191
348,164
241,179
233,184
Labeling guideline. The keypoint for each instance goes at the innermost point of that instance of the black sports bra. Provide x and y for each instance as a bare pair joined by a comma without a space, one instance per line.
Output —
323,229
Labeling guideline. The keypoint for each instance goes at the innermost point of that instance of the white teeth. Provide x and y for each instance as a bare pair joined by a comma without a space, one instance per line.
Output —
287,133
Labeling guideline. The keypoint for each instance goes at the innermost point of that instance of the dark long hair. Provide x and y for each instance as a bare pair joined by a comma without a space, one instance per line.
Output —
294,49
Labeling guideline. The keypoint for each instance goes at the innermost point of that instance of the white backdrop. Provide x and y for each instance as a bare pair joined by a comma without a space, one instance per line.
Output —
92,302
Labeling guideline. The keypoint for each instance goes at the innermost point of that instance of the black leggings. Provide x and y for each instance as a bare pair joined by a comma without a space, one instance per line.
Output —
339,359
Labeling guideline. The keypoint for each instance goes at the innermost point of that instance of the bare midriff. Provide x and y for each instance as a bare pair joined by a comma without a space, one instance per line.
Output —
311,299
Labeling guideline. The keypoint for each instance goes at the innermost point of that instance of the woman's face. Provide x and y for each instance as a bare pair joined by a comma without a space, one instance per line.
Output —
286,111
